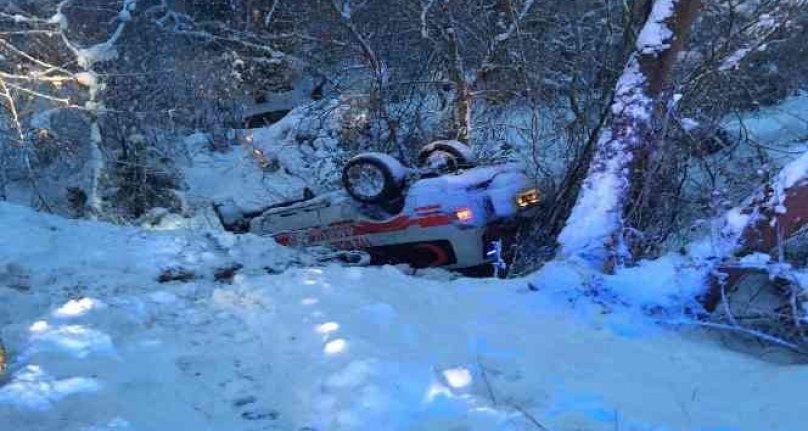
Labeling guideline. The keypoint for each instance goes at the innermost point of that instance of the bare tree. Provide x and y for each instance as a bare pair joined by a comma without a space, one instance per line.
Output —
31,73
87,57
465,69
40,47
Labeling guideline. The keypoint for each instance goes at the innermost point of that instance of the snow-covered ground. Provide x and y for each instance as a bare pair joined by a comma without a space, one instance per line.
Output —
97,343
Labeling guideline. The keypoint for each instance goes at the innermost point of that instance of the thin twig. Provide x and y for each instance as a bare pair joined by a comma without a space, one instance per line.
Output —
755,334
532,419
488,386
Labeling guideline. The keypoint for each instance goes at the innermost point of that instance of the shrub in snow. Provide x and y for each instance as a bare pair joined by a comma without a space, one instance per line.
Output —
176,274
143,176
227,274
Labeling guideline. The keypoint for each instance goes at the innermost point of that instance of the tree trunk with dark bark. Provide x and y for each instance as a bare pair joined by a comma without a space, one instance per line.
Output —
594,231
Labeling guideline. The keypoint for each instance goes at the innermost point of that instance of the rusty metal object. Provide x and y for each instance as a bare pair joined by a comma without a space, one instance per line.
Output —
766,232
762,235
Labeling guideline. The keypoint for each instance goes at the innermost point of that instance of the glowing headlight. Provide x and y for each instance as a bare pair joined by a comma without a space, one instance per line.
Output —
464,215
527,198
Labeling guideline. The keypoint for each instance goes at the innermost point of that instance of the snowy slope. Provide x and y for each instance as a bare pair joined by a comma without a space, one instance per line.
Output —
98,344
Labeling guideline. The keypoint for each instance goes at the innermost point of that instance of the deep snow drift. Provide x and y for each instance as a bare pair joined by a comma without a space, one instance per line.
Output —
98,343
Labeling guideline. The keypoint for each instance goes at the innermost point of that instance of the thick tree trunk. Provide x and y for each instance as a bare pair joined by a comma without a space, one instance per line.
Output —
461,106
594,231
461,113
87,58
96,168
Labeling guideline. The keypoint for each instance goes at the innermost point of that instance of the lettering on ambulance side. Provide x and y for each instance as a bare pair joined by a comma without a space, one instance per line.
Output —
341,237
348,235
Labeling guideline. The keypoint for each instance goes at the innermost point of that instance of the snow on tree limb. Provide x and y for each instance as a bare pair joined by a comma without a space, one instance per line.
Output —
515,23
655,35
271,13
102,51
183,24
761,30
424,11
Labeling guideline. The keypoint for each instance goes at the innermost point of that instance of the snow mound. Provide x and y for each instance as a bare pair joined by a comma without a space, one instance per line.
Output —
34,389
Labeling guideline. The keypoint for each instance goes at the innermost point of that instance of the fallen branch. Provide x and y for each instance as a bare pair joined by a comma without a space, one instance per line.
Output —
532,419
739,329
488,386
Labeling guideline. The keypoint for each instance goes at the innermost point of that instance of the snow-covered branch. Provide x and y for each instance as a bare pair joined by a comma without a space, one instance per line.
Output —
425,7
49,67
271,13
183,24
514,25
757,34
99,52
